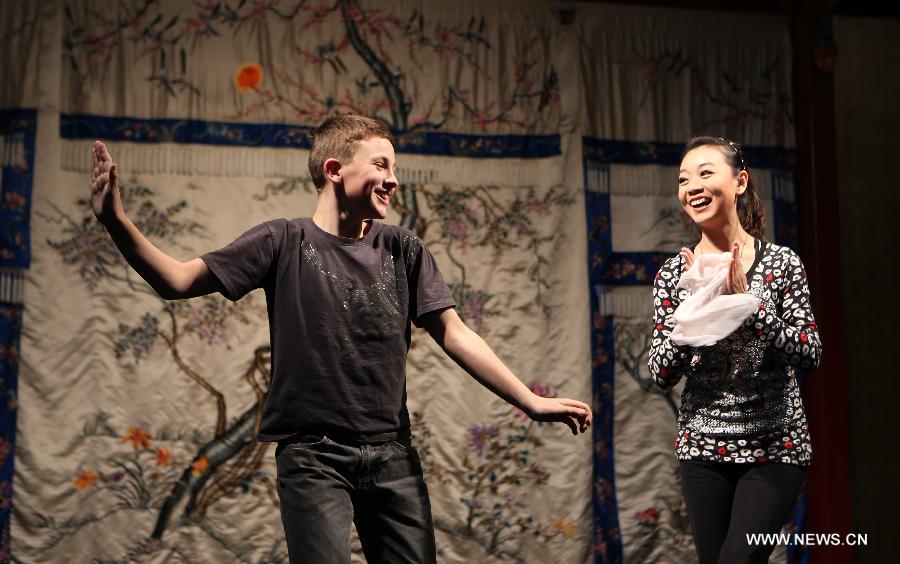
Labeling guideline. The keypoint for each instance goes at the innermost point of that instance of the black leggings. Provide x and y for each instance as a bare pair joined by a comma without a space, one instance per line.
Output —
725,502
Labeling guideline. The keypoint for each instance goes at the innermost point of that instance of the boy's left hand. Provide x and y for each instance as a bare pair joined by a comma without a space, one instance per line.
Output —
575,414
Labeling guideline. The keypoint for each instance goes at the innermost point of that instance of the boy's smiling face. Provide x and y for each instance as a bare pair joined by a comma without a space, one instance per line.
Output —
368,179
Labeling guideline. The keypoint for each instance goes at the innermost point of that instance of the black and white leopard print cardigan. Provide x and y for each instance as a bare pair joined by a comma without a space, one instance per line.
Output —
741,402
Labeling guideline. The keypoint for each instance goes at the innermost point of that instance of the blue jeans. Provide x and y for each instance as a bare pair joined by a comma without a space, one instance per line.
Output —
323,485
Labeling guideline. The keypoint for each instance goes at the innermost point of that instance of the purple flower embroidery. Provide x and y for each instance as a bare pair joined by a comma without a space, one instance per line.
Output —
480,436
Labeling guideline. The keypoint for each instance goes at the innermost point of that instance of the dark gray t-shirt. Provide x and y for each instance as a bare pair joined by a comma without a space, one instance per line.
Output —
339,322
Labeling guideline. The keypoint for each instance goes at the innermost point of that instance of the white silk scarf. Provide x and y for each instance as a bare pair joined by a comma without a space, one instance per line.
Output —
709,314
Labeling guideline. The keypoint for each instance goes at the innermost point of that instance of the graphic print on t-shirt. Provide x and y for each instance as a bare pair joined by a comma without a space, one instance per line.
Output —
375,309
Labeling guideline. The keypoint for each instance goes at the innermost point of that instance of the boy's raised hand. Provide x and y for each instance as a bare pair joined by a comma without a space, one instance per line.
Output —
575,414
105,199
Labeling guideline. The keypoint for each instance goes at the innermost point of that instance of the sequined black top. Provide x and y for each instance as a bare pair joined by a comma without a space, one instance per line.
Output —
741,402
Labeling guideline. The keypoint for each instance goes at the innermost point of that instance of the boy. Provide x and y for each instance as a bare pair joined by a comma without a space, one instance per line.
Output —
341,291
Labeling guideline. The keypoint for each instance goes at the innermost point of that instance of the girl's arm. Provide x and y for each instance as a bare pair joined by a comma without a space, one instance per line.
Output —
668,361
793,333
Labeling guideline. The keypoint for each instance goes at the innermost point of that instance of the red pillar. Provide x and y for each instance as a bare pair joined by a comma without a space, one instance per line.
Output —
825,392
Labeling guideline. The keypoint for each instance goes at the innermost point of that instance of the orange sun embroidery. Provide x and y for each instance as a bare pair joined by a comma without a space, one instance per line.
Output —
248,77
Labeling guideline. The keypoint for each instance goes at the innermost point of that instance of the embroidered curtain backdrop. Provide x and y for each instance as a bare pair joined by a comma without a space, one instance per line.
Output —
466,68
208,109
510,129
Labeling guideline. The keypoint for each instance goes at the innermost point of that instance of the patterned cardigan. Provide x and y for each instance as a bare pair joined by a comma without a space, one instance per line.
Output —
741,402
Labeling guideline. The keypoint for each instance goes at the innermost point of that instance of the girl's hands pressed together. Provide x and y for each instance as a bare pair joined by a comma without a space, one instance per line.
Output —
736,282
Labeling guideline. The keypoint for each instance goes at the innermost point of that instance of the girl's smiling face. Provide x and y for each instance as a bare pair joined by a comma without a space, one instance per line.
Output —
708,187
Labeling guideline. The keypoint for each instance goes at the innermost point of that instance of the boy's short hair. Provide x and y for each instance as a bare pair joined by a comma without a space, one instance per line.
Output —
337,138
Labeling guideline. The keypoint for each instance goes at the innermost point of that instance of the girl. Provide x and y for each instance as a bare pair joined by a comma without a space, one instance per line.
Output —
743,441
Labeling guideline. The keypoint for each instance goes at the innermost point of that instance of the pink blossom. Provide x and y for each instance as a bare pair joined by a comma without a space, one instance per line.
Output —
458,230
535,205
649,516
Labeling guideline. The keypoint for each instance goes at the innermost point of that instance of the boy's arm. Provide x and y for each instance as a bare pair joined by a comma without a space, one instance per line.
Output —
471,353
172,279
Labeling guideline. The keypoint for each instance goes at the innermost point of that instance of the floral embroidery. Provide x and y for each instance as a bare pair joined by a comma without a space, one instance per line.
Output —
86,479
138,438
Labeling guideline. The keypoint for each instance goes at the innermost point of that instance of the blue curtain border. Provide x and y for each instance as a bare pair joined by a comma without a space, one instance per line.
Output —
15,206
220,133
15,214
607,539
